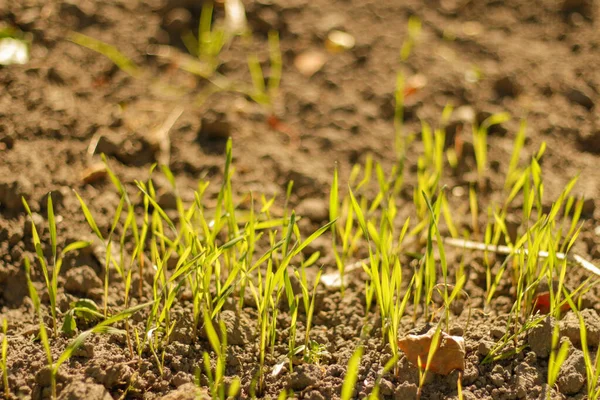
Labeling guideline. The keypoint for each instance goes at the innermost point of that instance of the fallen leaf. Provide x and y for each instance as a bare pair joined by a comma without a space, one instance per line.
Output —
309,62
541,303
450,353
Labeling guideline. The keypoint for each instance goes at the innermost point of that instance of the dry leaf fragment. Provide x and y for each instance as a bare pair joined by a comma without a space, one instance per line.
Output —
94,173
541,303
450,353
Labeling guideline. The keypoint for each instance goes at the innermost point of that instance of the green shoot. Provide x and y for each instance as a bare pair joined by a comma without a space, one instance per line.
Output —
3,362
351,374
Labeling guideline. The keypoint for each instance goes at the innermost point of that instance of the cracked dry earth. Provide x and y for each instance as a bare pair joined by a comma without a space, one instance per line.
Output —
535,60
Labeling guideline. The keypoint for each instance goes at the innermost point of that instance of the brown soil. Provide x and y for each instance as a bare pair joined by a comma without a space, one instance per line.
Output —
536,60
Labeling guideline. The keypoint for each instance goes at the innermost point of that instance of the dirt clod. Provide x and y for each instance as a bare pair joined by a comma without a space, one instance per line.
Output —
77,390
239,329
569,327
82,280
539,337
304,376
572,373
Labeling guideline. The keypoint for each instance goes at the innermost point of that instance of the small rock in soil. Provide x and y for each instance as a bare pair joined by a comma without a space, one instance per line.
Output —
310,62
540,337
507,87
569,327
314,209
84,390
572,373
11,191
303,376
82,280
579,97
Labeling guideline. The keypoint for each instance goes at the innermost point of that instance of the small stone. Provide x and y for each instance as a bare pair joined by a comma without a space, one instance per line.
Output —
579,97
314,209
310,62
82,280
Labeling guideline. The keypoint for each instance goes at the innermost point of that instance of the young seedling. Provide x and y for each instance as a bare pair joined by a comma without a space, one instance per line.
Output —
348,387
51,277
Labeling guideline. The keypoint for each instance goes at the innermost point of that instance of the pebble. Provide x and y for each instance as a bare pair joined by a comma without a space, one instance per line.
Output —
310,62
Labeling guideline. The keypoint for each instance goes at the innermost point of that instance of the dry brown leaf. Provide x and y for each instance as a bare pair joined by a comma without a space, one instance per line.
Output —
450,353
